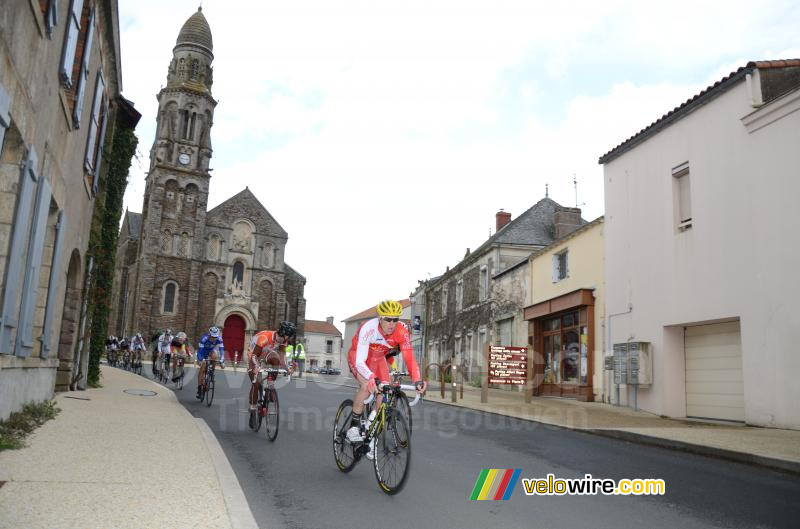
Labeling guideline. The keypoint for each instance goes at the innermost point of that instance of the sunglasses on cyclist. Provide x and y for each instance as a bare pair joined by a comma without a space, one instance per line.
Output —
391,320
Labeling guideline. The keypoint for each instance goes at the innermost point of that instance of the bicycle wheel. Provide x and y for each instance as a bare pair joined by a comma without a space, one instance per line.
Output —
273,414
259,409
210,388
392,453
404,408
342,449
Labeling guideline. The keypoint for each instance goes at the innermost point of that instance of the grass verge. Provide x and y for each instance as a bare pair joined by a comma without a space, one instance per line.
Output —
20,424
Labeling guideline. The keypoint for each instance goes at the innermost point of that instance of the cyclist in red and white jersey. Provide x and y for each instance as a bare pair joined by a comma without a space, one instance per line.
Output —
367,358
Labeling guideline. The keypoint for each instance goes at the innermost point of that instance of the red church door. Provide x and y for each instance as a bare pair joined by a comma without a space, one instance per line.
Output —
233,336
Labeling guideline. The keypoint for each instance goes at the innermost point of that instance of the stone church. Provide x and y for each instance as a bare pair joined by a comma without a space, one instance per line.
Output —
180,266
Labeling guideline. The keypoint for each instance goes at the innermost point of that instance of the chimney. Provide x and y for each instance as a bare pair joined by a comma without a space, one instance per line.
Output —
566,220
329,319
502,218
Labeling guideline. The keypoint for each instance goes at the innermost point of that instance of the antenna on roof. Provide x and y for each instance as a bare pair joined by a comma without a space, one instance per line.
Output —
575,183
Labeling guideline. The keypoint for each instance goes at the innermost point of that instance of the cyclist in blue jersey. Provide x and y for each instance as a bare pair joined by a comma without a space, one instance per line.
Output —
210,346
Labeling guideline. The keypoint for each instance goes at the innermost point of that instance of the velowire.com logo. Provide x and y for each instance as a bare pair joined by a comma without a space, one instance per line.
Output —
495,484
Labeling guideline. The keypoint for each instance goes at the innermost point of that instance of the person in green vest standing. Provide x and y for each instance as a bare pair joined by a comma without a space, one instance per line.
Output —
300,358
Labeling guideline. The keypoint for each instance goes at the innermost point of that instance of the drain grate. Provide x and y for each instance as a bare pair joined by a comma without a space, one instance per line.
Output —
141,392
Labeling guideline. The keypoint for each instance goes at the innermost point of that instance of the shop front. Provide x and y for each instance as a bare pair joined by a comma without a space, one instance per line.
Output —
561,332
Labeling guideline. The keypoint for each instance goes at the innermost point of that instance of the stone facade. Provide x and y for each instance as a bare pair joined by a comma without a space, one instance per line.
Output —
59,104
461,311
187,268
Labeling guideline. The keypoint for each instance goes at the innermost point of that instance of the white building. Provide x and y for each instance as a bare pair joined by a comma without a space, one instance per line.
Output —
701,250
323,343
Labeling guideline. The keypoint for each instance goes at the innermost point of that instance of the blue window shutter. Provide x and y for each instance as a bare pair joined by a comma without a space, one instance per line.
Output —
15,257
101,140
5,116
30,285
83,77
52,17
71,42
52,286
99,92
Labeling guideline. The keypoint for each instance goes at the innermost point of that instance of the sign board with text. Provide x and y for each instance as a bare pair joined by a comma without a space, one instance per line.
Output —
508,365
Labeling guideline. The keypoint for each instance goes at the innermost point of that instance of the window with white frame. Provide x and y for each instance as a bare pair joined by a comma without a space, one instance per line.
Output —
682,196
71,42
329,346
444,302
504,334
97,132
169,297
483,285
560,265
83,74
460,294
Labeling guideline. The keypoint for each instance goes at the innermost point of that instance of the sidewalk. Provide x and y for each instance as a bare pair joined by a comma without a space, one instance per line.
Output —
770,447
69,476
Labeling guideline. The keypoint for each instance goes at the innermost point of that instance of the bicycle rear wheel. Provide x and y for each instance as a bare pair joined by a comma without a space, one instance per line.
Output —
256,424
342,449
392,453
273,414
210,389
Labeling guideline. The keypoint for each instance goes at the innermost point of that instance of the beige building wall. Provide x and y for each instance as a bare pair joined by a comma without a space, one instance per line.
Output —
738,261
39,116
586,270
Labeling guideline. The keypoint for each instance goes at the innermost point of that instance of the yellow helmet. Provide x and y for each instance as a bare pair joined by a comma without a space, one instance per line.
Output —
390,308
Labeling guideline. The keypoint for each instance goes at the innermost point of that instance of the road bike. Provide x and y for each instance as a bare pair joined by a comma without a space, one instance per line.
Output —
207,387
402,403
388,435
267,408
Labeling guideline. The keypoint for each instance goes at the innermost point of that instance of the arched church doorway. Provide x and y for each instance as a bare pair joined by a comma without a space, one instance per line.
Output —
233,336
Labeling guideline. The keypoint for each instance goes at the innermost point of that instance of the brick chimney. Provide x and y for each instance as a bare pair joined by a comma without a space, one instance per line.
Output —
566,220
329,319
502,218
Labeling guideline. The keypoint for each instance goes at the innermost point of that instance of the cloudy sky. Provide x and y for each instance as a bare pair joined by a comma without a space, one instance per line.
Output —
384,136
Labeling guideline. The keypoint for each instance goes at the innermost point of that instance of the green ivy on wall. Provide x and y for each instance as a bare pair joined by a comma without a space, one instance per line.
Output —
103,242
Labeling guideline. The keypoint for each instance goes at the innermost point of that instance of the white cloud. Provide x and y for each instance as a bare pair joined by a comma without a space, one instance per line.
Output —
385,136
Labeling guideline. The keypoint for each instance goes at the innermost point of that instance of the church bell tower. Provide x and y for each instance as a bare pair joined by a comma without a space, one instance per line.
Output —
176,190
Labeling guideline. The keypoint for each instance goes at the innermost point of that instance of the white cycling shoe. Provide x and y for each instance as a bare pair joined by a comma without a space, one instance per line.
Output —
354,434
371,453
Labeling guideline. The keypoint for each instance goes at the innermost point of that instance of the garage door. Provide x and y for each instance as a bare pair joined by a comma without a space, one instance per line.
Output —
714,383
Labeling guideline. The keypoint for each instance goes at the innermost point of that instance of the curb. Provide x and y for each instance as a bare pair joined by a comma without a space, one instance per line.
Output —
781,465
239,513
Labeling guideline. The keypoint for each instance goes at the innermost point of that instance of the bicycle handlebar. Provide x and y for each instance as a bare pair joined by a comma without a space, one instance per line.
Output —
403,387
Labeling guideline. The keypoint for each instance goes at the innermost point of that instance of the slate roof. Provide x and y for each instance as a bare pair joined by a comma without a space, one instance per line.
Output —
134,224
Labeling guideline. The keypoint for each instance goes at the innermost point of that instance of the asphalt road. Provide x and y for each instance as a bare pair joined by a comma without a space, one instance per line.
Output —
294,482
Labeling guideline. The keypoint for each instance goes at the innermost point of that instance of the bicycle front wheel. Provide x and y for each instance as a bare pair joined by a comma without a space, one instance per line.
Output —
210,390
404,408
273,414
392,453
342,448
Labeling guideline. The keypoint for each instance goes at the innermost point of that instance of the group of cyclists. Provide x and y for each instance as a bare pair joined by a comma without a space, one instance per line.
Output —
128,351
368,358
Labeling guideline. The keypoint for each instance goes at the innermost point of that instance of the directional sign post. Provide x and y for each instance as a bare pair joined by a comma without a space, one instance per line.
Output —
506,365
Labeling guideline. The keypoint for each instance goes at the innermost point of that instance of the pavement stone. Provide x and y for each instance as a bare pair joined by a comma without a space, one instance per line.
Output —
112,459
